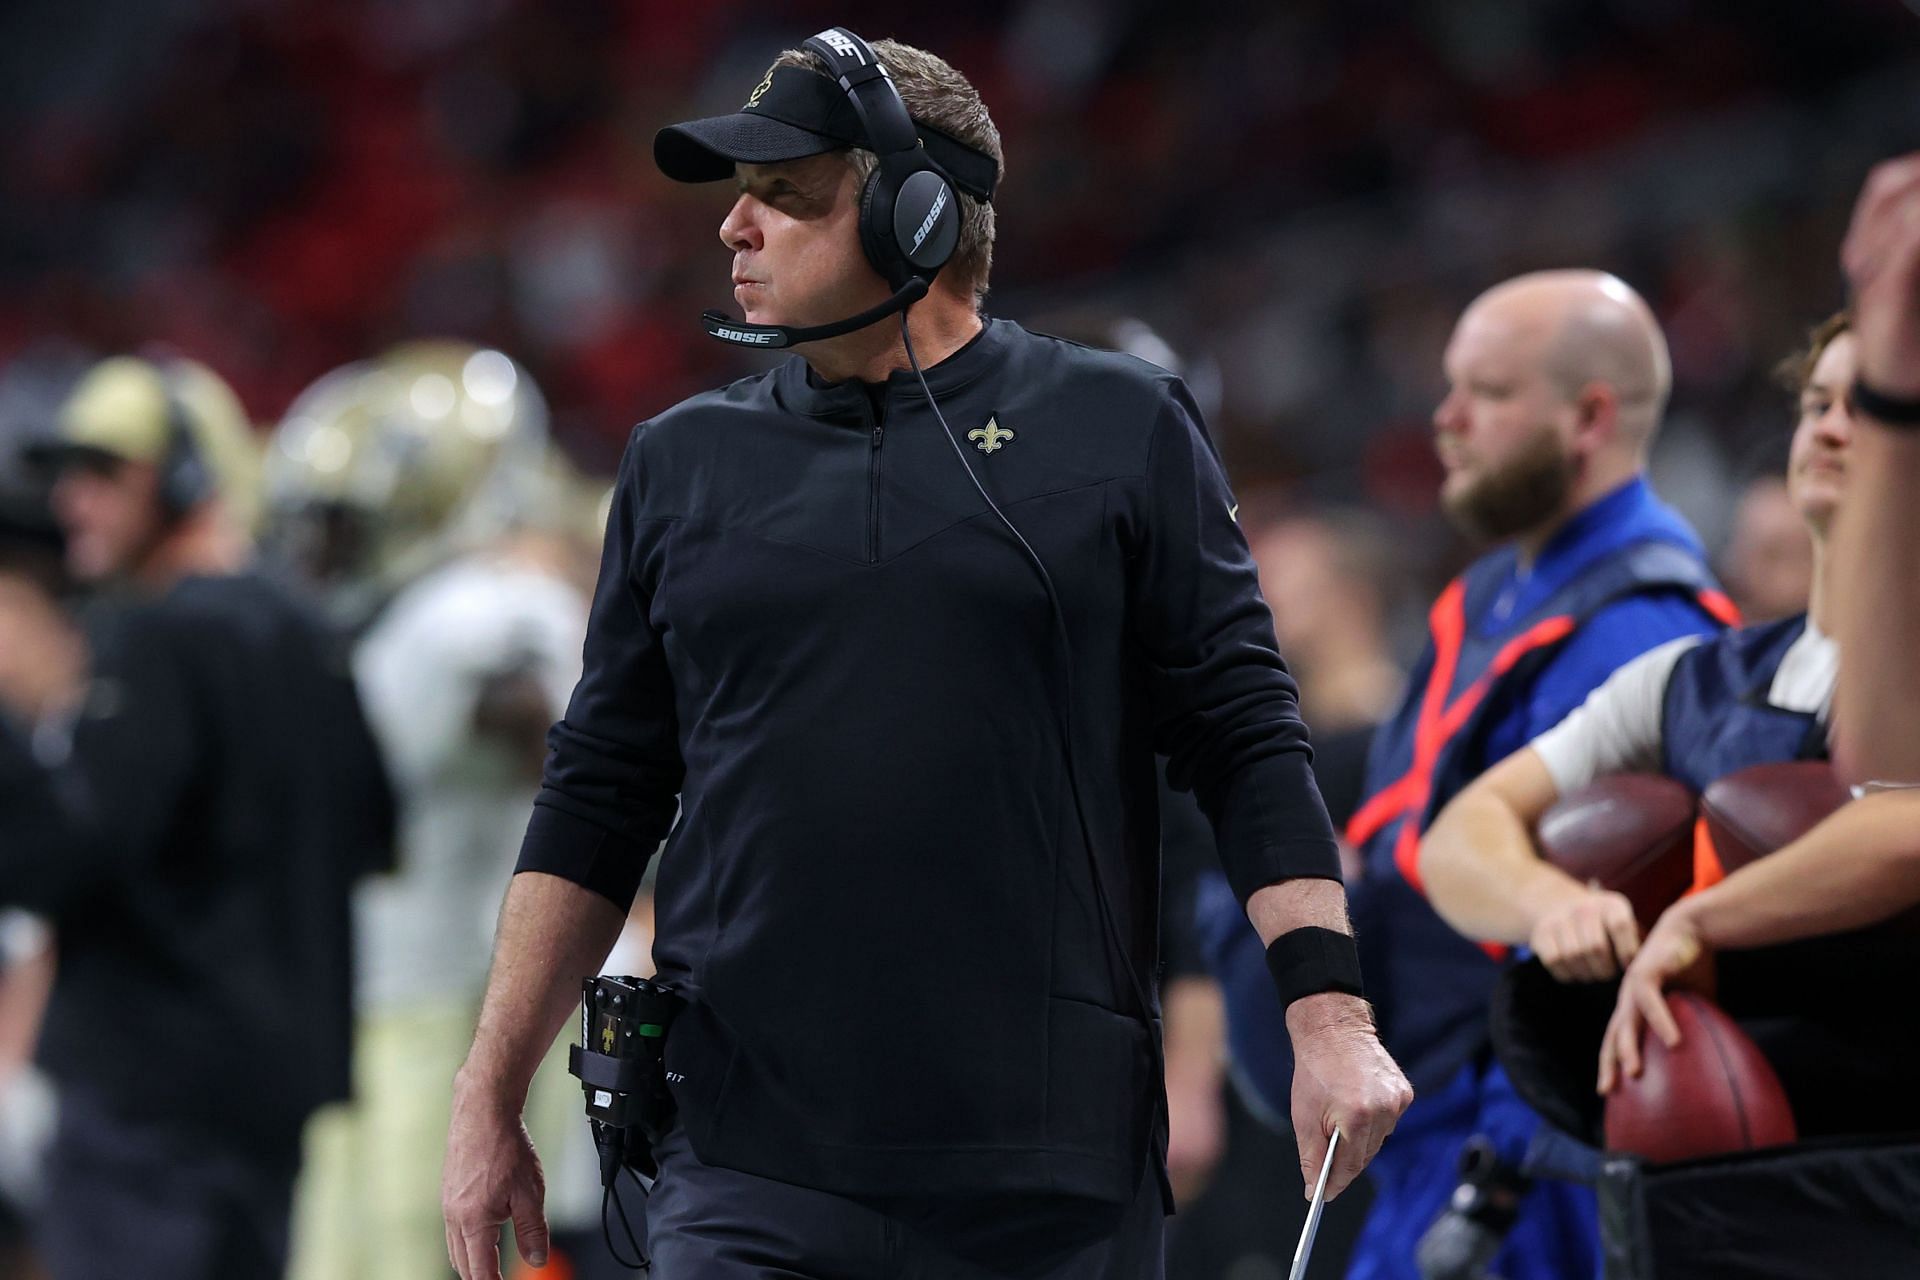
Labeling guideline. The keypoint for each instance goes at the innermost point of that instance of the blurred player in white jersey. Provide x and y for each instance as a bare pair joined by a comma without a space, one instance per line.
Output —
418,490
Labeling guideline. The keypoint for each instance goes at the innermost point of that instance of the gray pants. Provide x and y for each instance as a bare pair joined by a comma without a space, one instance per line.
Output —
707,1223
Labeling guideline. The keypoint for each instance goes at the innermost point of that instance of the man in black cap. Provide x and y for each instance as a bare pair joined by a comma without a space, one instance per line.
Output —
900,626
193,851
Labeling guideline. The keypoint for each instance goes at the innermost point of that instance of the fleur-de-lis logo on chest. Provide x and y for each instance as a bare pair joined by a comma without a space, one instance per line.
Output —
990,438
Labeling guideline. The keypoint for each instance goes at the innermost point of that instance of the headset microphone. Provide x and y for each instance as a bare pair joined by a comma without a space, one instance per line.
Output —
770,337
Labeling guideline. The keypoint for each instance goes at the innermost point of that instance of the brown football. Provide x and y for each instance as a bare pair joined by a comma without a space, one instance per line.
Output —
1756,811
1712,1094
1632,833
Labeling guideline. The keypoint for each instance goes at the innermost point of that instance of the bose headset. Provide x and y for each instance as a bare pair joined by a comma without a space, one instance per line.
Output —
909,211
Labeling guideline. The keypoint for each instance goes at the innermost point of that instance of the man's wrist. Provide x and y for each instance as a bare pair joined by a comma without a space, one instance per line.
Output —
1312,960
477,1083
1694,914
1548,892
1885,407
1329,1011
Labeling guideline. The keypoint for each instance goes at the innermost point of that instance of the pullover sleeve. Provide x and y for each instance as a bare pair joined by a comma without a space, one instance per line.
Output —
134,760
613,770
1226,710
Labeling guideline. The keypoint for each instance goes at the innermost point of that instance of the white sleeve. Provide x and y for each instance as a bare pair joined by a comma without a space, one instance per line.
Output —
1617,729
424,662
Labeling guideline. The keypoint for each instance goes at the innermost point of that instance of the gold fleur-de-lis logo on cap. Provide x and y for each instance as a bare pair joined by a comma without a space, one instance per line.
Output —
759,90
989,438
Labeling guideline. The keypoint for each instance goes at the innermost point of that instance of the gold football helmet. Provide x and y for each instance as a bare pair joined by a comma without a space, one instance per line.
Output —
386,467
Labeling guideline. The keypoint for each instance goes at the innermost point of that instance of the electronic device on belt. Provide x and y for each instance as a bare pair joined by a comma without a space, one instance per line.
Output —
621,1064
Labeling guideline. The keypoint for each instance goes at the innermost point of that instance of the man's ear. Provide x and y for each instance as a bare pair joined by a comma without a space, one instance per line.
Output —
1596,416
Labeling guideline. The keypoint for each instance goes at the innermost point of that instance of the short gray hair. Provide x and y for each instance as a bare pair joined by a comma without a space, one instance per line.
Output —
940,97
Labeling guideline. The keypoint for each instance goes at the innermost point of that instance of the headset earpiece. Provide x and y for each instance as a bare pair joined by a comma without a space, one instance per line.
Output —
185,481
909,213
872,195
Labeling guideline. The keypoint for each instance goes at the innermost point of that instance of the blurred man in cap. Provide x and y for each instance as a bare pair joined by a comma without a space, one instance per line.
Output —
193,851
158,477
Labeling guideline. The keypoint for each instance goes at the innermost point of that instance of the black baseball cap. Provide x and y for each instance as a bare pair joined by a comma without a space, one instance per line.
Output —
794,113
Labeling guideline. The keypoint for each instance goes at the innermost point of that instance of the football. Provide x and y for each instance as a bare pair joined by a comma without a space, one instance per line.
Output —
1711,1095
1632,833
1754,812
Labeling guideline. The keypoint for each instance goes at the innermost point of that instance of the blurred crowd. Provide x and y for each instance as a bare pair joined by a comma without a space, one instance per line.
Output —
1291,202
282,187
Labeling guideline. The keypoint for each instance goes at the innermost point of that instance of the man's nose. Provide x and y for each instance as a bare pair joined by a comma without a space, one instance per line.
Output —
738,230
1446,414
69,498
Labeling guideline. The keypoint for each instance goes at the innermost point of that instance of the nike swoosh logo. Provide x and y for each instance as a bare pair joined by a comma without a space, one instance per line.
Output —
1233,513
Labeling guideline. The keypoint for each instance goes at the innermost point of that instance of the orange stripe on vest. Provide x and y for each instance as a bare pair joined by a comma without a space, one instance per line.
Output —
1707,868
1439,721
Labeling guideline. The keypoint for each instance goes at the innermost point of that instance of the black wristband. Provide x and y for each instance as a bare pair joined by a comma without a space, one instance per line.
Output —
1883,408
1310,960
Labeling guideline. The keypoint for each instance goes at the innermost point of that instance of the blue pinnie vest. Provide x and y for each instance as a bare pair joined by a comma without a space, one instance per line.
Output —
1716,720
1429,985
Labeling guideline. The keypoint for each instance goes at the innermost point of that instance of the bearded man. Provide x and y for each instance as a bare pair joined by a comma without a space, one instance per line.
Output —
1556,385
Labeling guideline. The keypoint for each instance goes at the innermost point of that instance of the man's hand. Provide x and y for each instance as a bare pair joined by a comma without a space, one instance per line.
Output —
1342,1079
491,1176
1882,260
1672,956
1588,939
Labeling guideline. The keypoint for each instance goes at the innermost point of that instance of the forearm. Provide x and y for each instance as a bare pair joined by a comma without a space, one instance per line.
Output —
1484,875
1858,867
1876,593
1195,1017
1298,904
552,934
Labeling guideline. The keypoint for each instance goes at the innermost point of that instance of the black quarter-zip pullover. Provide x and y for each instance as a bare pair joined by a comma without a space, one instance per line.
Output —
810,629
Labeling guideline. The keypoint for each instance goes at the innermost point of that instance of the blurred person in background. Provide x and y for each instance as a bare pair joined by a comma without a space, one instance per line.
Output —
419,491
42,667
1329,576
915,1037
1557,383
193,850
1877,569
1767,564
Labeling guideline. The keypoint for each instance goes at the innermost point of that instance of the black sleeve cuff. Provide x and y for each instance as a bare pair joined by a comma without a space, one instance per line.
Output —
1307,859
1312,960
564,844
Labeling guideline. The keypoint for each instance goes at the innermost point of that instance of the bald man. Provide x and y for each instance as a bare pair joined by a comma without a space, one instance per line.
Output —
1556,385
